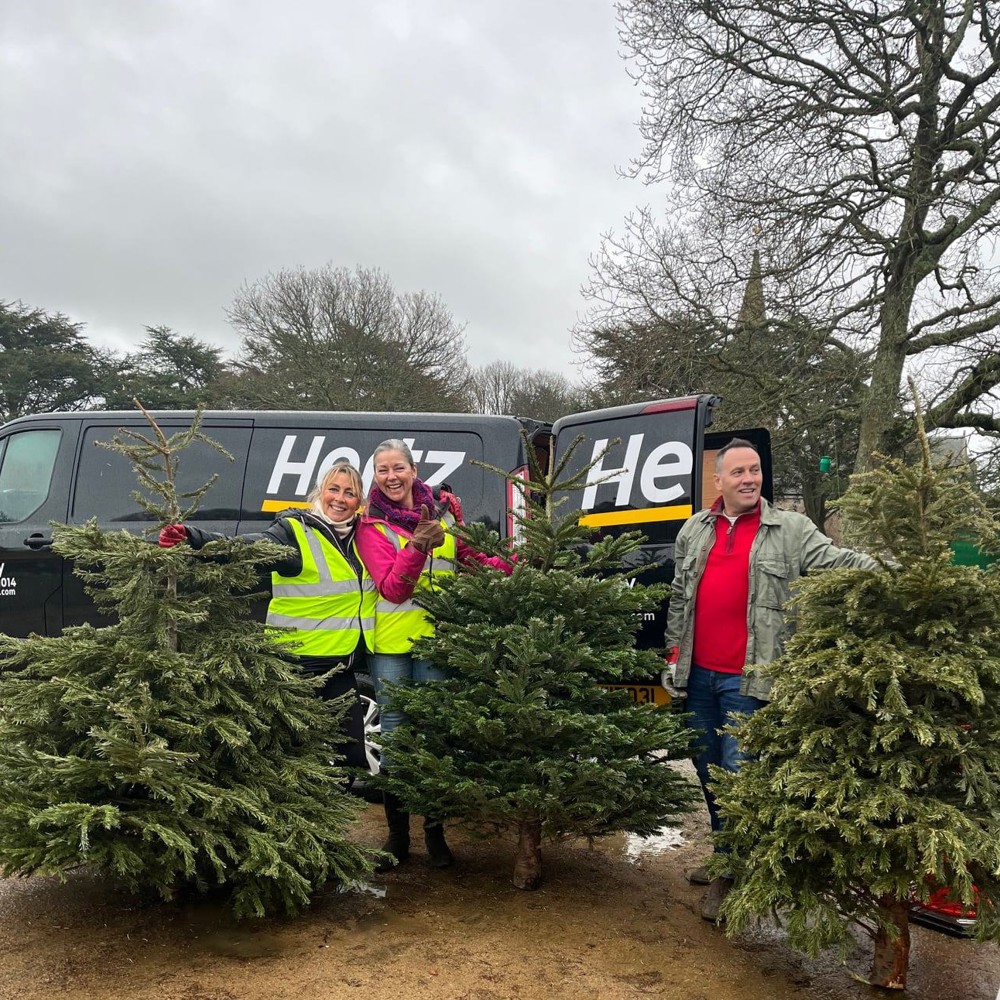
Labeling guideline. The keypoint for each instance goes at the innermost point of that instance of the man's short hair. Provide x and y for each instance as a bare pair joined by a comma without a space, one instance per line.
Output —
735,443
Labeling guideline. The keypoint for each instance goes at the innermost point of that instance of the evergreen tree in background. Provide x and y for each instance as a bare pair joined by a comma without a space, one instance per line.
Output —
877,768
520,736
172,749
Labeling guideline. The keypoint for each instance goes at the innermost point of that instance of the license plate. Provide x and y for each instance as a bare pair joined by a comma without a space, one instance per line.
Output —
642,694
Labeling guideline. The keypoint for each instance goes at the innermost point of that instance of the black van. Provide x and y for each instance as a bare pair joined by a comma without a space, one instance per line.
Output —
50,470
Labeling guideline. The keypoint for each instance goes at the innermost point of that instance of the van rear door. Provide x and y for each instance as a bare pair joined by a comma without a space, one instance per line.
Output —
649,479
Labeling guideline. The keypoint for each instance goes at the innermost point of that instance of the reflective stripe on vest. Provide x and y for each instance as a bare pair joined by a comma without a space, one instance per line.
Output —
325,605
398,626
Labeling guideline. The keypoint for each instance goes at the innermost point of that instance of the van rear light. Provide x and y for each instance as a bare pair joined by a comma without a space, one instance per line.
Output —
516,503
670,405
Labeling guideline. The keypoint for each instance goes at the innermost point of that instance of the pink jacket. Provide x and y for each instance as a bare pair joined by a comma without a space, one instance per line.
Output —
395,572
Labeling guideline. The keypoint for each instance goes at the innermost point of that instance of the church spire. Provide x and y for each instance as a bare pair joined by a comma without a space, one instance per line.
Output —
752,310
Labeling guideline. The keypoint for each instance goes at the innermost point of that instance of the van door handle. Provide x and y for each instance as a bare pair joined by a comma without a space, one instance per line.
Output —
36,541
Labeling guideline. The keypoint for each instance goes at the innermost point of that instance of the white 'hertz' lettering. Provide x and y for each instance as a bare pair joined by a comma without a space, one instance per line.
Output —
436,466
667,461
8,585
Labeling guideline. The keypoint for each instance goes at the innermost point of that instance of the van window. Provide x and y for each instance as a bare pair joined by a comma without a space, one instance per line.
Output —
105,480
26,463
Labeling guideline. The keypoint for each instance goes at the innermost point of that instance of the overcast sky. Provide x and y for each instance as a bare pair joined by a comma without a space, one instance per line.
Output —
157,155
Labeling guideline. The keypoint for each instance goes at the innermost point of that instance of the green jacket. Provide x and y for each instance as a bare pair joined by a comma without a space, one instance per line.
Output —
787,544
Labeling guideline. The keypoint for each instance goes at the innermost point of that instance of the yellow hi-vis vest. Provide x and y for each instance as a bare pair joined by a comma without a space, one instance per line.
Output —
398,626
326,604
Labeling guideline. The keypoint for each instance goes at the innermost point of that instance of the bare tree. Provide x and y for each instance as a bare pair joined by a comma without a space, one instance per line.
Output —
502,387
860,141
493,387
549,395
335,339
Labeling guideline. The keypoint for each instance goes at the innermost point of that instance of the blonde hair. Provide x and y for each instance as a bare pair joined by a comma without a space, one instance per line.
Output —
339,468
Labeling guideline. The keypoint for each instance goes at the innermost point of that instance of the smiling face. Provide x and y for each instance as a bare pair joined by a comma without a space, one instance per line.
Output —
394,476
739,480
340,497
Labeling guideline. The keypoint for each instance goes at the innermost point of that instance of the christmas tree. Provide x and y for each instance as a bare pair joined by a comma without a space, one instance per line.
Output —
172,749
521,735
877,770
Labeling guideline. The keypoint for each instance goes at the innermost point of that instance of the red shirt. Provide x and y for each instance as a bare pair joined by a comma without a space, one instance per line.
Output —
720,607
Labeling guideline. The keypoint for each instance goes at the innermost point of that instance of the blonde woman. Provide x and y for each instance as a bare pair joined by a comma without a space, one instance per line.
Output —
322,597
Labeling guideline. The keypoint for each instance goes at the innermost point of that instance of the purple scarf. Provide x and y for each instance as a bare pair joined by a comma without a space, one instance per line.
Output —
403,517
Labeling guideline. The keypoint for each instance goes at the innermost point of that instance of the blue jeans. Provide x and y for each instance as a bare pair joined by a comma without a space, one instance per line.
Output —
712,699
397,668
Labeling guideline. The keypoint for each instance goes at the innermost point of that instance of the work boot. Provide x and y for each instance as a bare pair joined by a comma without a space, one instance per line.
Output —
437,849
718,889
699,876
398,843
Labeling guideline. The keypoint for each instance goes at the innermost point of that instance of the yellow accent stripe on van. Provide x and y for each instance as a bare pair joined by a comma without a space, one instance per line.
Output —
680,512
276,505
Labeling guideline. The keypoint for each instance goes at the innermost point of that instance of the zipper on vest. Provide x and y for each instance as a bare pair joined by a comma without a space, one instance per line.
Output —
344,550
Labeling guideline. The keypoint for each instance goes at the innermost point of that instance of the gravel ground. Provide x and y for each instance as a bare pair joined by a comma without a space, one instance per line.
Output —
617,920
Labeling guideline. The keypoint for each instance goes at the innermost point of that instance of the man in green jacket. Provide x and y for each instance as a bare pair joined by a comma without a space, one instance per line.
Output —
734,565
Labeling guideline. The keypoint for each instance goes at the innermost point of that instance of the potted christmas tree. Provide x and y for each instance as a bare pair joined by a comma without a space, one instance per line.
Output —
877,761
172,749
521,736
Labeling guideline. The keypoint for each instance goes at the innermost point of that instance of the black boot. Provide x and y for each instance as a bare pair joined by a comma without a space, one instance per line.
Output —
398,842
718,889
437,850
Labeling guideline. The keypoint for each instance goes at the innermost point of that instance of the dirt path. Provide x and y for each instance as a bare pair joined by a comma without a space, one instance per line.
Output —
618,921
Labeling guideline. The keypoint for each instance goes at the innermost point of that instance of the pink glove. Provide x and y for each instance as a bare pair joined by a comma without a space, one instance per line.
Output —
172,534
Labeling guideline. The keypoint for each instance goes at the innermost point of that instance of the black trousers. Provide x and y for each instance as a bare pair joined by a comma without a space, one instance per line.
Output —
342,682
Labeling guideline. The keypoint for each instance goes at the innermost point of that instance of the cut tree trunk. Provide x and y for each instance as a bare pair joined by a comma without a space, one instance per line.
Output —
528,864
892,949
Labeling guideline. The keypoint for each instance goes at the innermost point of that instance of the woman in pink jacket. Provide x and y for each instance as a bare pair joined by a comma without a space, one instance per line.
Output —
404,543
